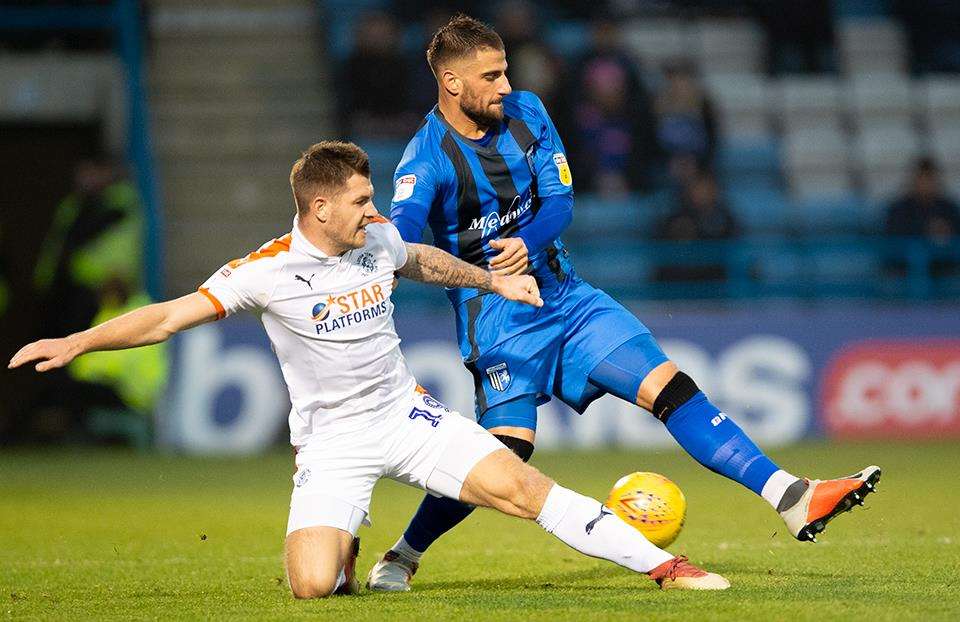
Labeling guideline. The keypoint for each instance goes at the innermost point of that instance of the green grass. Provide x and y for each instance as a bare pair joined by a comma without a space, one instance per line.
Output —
125,536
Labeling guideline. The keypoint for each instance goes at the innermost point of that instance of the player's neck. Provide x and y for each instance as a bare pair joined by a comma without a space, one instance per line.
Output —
321,242
464,125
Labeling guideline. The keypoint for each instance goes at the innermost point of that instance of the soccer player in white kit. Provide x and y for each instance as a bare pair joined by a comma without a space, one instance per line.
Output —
323,294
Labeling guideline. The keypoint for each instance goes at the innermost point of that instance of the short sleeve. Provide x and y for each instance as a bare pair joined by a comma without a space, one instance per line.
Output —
244,287
415,187
550,157
395,246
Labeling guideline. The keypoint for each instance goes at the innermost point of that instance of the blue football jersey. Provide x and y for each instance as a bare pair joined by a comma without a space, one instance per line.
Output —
474,191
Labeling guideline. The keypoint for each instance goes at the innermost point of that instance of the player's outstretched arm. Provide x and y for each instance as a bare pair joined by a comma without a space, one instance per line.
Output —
140,327
429,264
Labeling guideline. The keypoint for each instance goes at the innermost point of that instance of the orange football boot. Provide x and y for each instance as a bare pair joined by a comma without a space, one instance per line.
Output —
679,574
825,499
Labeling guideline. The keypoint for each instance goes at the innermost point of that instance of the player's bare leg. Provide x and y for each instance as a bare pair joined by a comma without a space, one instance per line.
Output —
806,506
320,562
504,482
394,571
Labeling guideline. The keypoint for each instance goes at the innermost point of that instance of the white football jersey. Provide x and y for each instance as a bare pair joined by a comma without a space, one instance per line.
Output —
330,321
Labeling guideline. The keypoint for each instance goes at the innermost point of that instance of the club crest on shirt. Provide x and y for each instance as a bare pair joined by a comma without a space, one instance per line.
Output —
367,263
499,376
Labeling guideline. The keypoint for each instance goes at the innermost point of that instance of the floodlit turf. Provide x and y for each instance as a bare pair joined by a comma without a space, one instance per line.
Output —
125,536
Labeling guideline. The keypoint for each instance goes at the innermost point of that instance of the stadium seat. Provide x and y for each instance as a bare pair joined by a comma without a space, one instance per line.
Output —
871,44
877,97
883,183
819,183
945,144
890,145
940,99
655,41
817,162
826,213
743,102
745,161
805,102
759,208
728,45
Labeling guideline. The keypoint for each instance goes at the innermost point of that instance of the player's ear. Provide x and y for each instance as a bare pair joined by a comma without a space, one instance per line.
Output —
320,208
451,82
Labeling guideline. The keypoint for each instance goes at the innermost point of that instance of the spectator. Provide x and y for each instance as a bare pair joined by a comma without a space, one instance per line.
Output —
374,83
933,33
533,65
924,211
686,123
799,35
96,236
612,142
89,270
702,215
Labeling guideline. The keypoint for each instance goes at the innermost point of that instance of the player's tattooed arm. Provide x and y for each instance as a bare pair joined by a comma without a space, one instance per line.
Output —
429,264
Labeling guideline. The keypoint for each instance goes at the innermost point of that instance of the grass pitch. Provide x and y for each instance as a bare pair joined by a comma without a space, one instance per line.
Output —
125,536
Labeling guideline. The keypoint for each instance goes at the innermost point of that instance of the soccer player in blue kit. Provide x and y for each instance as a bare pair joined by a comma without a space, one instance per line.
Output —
488,172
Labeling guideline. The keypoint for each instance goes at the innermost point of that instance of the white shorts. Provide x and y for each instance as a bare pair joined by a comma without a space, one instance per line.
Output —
424,445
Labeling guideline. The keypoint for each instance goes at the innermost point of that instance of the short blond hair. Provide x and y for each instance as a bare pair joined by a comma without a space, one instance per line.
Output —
326,167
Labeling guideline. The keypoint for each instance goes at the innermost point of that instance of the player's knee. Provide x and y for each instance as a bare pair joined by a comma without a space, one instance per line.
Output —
522,448
312,584
674,394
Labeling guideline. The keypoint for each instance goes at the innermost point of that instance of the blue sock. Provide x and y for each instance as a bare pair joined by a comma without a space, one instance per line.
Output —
719,444
435,517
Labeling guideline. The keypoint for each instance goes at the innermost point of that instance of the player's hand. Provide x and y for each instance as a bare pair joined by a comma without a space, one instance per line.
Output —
512,258
52,353
519,287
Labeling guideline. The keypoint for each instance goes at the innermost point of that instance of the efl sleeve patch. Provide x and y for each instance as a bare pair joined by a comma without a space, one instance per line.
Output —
563,169
404,187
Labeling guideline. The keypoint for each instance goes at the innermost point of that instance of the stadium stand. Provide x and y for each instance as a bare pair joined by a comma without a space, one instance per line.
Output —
802,159
238,90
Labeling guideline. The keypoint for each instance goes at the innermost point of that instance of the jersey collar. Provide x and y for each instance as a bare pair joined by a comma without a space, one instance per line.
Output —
302,244
494,133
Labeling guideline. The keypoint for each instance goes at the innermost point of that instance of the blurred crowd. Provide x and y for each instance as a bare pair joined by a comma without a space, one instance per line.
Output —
630,127
88,269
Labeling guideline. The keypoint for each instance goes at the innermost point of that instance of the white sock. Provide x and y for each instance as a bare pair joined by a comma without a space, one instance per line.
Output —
776,486
406,550
341,579
579,522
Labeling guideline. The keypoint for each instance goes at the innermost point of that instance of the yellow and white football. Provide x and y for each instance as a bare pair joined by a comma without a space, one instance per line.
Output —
651,503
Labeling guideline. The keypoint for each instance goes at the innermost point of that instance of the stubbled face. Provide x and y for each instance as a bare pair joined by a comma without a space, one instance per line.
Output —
485,85
348,213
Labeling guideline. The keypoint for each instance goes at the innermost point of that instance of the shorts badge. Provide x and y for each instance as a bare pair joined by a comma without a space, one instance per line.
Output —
499,376
301,478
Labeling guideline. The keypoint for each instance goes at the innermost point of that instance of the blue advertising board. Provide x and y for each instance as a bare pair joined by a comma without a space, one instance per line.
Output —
766,366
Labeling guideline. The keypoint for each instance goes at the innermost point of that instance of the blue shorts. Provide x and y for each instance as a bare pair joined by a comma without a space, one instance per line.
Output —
515,350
